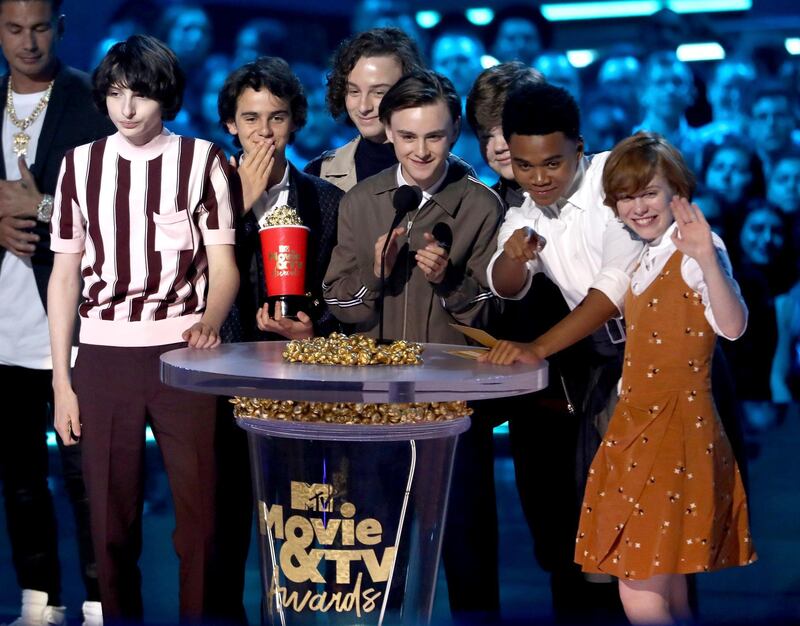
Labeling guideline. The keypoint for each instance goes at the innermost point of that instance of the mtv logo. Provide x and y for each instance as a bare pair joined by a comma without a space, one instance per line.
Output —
313,497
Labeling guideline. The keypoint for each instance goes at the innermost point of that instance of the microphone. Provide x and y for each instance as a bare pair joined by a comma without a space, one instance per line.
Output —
443,235
406,198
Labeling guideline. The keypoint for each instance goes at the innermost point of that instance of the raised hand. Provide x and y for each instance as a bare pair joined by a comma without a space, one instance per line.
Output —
523,245
693,234
391,252
432,259
254,170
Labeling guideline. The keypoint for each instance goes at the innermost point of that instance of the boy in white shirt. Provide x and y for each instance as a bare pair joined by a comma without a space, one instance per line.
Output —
564,230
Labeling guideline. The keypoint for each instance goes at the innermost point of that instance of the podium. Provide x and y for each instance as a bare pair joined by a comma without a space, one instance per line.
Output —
350,516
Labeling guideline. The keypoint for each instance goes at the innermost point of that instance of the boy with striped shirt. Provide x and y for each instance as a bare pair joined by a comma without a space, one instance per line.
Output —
147,219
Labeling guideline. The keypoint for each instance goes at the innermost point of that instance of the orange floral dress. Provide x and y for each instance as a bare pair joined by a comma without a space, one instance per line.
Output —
664,494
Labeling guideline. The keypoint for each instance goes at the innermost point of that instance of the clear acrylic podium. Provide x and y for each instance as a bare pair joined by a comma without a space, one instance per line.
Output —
350,516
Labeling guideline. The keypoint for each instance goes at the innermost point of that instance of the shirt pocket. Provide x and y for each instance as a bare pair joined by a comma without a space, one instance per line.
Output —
173,231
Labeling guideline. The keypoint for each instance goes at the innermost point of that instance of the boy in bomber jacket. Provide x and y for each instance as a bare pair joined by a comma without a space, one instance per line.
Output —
427,285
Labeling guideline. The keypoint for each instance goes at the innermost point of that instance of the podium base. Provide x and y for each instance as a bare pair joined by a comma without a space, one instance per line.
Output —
350,519
289,306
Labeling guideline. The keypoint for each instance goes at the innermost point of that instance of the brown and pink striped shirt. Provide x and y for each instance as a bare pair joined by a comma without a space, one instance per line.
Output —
141,216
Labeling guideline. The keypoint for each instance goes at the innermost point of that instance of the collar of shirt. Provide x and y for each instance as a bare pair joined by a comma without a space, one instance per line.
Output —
272,197
427,194
149,151
656,249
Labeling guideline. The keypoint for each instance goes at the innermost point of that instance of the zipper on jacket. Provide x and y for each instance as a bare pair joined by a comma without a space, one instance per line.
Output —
570,406
409,226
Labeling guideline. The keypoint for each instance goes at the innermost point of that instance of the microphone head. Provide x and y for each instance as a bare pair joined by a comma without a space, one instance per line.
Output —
406,198
443,234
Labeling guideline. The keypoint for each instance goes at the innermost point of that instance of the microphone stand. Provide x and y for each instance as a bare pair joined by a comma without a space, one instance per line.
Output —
398,216
405,198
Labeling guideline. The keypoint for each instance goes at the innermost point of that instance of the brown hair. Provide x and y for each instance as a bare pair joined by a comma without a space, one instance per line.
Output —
635,161
420,88
378,42
490,91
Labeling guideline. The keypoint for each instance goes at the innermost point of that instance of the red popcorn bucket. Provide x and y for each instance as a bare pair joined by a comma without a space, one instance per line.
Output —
284,249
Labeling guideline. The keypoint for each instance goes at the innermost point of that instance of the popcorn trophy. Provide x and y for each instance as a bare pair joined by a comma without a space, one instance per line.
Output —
284,245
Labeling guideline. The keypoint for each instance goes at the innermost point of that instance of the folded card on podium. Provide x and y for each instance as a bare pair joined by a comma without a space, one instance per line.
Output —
481,336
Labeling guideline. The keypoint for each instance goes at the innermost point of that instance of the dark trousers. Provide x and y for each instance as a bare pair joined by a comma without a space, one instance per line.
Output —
30,515
234,520
119,391
543,440
470,543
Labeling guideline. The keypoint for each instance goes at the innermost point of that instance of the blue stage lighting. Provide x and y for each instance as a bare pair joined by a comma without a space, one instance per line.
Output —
428,19
599,10
636,8
708,6
487,61
581,58
51,437
705,51
480,16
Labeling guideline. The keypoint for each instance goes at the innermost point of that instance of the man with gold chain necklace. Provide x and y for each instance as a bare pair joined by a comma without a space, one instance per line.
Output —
47,110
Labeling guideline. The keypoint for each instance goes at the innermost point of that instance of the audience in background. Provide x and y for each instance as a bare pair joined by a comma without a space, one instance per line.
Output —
666,92
517,33
783,184
618,76
370,14
259,37
732,173
215,71
456,53
607,121
321,131
560,72
785,375
728,89
763,269
187,31
773,117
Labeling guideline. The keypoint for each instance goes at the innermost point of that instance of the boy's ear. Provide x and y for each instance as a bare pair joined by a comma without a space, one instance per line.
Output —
456,131
231,126
579,146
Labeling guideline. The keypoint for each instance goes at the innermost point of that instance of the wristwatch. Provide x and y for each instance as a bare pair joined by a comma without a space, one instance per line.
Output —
44,210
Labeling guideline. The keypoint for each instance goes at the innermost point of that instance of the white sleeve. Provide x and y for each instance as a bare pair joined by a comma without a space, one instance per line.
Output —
514,220
621,250
693,276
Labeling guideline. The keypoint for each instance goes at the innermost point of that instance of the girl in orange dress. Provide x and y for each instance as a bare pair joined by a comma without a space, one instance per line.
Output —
664,497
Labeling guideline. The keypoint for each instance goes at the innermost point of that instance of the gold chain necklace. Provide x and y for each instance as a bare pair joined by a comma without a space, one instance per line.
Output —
22,139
